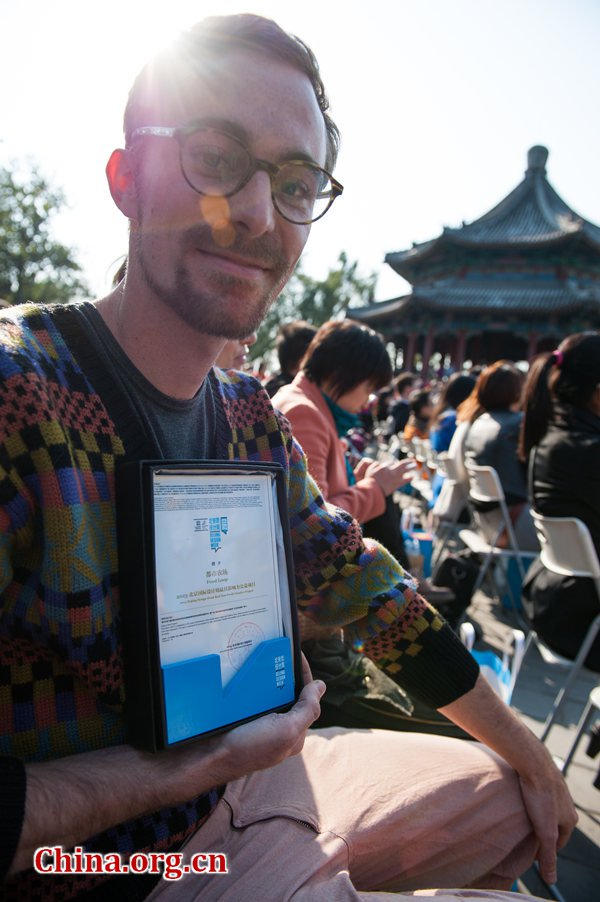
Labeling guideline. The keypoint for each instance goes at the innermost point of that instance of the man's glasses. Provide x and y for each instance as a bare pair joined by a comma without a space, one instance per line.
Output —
217,164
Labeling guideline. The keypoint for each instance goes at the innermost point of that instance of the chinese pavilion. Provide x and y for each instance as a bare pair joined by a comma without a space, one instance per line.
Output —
510,284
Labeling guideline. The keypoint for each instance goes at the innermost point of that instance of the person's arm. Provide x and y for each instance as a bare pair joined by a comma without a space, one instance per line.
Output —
441,436
70,799
324,452
547,801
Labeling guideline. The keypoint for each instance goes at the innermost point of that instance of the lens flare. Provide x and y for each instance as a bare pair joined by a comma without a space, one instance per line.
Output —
215,211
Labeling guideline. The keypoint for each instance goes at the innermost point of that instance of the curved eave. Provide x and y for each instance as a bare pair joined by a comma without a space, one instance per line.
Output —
503,301
416,253
379,309
508,300
403,262
551,239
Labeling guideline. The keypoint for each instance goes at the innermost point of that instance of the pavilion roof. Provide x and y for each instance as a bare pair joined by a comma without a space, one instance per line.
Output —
533,214
486,296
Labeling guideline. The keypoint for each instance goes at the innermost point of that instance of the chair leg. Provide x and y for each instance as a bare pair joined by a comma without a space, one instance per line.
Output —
444,533
577,665
584,722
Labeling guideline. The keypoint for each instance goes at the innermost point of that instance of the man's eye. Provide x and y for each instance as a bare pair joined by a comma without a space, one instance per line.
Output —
298,185
295,188
210,158
213,161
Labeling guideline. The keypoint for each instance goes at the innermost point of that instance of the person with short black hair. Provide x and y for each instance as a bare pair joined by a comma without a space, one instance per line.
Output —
442,423
291,343
420,408
346,362
398,408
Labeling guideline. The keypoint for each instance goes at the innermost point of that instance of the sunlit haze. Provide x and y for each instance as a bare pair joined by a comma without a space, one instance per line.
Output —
438,103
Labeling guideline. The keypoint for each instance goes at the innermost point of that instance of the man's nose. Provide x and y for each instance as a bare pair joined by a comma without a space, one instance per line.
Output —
252,207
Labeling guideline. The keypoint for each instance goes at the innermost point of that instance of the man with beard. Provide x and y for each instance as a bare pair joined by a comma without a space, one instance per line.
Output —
228,151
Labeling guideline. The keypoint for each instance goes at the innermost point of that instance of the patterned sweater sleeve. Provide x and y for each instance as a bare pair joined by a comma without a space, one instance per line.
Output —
343,579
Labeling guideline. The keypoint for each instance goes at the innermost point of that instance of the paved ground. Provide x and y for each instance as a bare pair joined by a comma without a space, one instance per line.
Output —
537,685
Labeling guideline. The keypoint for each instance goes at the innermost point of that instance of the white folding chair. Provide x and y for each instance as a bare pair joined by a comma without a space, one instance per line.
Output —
485,488
451,501
567,549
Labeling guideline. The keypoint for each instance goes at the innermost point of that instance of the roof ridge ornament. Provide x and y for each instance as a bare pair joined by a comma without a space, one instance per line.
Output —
537,157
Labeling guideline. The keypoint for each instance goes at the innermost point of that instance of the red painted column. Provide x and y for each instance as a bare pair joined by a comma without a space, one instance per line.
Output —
409,353
428,350
532,346
460,350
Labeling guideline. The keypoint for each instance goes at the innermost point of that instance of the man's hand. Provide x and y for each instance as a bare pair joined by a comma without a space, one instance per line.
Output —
390,475
265,742
545,795
550,809
70,799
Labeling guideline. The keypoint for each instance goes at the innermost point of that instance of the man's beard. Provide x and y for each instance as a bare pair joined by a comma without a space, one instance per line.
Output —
207,309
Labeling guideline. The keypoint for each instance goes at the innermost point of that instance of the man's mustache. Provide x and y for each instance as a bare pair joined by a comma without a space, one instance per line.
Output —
264,250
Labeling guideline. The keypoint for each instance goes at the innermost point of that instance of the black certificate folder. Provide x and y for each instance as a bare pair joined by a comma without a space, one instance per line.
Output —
207,604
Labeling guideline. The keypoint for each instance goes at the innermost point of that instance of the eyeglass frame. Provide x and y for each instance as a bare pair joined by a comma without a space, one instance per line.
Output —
181,132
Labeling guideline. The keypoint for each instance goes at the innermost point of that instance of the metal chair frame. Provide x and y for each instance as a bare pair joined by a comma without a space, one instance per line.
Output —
485,487
567,549
448,526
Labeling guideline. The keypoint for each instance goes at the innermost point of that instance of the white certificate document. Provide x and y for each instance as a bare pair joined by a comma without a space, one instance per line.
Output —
218,573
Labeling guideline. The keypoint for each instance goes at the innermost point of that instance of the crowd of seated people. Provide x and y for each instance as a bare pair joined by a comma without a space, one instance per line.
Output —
344,365
549,418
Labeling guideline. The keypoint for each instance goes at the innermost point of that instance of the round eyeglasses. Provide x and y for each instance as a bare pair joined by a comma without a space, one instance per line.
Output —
217,164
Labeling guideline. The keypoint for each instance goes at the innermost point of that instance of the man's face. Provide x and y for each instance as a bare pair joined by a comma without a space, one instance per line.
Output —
234,353
219,263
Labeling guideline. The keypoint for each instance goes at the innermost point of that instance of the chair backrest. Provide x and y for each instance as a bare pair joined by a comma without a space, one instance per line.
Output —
454,493
484,483
448,464
567,546
456,451
485,487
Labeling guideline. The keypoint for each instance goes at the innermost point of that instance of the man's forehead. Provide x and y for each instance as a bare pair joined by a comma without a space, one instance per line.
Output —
243,87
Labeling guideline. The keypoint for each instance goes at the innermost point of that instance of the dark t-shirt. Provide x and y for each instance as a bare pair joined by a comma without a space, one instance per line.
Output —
182,429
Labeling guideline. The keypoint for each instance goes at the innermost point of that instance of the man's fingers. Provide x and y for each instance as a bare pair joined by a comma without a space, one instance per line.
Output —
306,671
308,706
547,864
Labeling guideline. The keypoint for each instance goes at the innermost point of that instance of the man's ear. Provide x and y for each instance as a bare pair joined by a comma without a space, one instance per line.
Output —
122,182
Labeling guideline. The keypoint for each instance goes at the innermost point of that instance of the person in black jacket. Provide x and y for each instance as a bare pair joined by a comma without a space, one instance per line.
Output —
561,434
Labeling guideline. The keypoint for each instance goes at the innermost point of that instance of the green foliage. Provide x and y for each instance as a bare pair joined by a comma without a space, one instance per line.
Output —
33,267
315,300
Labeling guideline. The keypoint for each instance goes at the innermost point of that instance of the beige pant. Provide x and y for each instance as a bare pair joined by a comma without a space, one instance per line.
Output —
362,811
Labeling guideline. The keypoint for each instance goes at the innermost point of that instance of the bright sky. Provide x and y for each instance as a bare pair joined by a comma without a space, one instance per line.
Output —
438,102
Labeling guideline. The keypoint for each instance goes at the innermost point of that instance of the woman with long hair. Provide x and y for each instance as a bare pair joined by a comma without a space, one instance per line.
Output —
493,411
561,439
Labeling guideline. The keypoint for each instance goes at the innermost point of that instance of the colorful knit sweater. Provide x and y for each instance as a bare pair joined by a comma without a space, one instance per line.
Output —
65,425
